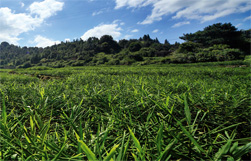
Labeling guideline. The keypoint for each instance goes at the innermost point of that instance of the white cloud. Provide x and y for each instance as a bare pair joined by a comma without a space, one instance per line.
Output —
118,22
129,3
247,18
181,24
101,11
238,25
133,3
22,4
44,42
155,31
135,30
10,39
202,10
97,13
12,24
103,29
127,37
46,8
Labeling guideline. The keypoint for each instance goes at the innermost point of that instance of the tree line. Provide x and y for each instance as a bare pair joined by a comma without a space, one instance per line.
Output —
217,42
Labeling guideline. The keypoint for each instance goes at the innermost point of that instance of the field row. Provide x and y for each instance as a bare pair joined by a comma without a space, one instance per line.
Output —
125,113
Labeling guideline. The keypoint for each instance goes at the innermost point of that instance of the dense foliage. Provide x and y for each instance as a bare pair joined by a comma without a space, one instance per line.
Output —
218,42
191,52
168,112
219,34
93,51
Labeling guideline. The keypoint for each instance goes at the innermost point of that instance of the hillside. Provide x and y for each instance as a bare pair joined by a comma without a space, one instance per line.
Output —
218,42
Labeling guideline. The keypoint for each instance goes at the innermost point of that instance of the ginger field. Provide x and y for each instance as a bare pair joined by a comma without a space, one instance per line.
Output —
168,112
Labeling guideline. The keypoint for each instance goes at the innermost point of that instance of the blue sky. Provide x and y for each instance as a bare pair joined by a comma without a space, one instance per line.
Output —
46,22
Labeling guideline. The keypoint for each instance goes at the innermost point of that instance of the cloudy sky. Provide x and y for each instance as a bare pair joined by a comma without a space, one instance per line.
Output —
46,22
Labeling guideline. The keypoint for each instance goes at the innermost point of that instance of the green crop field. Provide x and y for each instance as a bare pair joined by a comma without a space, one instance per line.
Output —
160,112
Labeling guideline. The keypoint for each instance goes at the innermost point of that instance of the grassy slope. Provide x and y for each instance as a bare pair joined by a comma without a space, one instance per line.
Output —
152,112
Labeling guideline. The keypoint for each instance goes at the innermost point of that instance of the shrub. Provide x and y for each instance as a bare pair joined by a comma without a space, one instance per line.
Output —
147,52
179,58
219,52
127,61
136,56
247,59
26,65
113,62
189,47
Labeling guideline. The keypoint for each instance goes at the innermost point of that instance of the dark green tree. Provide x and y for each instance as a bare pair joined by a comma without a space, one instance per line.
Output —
123,43
134,46
217,34
108,44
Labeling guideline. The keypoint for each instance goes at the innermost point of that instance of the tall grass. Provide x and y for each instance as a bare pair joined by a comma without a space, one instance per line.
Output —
126,113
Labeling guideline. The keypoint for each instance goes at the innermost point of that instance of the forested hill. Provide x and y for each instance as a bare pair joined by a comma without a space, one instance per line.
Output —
217,42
